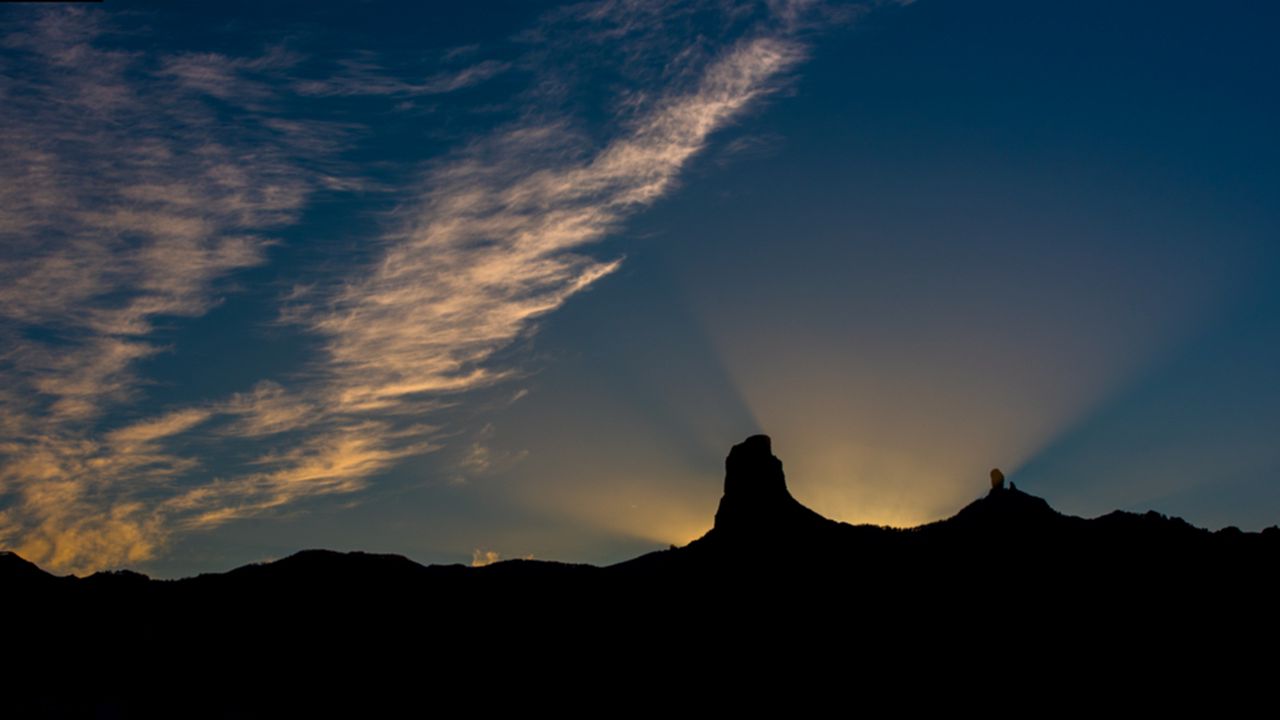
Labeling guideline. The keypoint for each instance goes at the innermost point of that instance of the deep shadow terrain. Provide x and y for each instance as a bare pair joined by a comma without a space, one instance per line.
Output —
1007,579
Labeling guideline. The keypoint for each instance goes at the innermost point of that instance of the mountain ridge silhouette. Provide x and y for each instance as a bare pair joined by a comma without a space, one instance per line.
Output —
756,514
771,576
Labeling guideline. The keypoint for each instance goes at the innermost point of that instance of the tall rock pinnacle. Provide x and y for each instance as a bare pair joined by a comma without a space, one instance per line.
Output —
756,500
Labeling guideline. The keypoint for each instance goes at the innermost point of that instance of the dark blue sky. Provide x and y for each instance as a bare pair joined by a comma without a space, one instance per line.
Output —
510,280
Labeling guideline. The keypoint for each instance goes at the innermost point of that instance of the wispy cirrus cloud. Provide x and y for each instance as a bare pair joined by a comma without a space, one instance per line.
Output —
138,200
365,77
126,200
496,242
330,460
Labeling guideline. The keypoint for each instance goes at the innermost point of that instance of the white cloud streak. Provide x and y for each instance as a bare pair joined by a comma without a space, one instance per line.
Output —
496,243
337,460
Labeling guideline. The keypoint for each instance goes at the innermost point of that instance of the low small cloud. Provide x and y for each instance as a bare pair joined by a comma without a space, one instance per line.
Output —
480,558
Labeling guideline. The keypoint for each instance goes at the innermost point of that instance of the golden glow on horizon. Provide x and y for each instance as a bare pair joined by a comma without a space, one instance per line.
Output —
892,421
656,501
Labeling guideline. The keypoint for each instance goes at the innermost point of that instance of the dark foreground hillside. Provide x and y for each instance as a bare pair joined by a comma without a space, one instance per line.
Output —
772,590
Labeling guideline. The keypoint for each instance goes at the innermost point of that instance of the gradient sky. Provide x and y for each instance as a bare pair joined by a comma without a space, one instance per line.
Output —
508,279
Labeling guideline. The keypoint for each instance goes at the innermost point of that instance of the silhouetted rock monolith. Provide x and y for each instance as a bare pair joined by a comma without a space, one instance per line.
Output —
756,502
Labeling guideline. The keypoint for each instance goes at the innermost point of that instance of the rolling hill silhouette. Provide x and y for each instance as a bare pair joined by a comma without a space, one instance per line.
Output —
769,571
